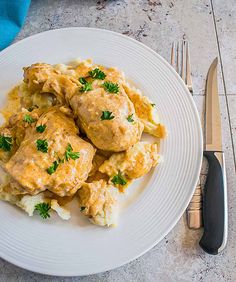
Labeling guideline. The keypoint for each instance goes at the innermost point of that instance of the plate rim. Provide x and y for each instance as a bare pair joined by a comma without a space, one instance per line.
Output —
197,173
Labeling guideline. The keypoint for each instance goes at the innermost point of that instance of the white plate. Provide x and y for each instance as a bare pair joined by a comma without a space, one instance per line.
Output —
76,248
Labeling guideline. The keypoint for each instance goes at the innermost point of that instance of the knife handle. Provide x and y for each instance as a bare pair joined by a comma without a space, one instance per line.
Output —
215,216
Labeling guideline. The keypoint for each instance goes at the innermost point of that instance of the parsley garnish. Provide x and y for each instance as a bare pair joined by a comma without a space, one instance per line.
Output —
118,179
53,167
82,80
42,145
97,74
43,209
87,87
153,105
41,128
69,154
106,115
130,118
29,119
82,208
5,143
111,87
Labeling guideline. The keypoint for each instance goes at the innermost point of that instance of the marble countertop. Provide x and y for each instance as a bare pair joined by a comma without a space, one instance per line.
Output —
209,26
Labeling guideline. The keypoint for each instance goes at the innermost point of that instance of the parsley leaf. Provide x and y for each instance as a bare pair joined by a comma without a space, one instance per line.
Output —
53,167
97,74
43,209
29,119
106,115
118,179
41,128
69,154
42,145
111,87
153,105
5,143
82,80
87,87
130,118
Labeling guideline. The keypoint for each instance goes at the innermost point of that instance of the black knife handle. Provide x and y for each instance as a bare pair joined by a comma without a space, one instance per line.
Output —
215,219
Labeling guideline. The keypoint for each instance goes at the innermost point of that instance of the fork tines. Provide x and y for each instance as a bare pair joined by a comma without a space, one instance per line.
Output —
180,60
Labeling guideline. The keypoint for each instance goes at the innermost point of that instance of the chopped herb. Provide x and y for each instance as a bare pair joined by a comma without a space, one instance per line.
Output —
118,179
153,105
41,128
87,87
42,145
106,115
97,74
5,143
130,118
82,208
29,119
111,87
43,209
82,80
53,167
69,154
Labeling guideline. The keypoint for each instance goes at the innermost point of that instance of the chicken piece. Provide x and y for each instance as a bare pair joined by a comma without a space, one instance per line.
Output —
115,134
12,134
61,165
134,163
146,112
32,100
98,201
46,79
102,115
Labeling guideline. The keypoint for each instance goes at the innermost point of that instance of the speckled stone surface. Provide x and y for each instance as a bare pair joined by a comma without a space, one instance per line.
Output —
208,26
225,20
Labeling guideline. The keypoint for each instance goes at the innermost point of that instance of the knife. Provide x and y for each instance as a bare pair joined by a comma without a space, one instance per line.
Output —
215,215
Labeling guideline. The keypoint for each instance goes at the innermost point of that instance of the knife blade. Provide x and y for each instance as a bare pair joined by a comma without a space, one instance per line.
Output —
215,215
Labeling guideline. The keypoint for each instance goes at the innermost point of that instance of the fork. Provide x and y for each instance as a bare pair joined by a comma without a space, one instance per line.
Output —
180,61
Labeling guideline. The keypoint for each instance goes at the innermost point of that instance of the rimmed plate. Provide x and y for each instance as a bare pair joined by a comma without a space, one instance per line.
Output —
156,202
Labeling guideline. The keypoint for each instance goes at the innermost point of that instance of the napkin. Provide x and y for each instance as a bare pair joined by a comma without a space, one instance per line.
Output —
12,16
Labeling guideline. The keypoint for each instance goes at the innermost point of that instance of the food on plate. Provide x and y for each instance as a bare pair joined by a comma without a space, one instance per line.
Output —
138,160
101,108
74,132
40,203
98,201
146,112
50,156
